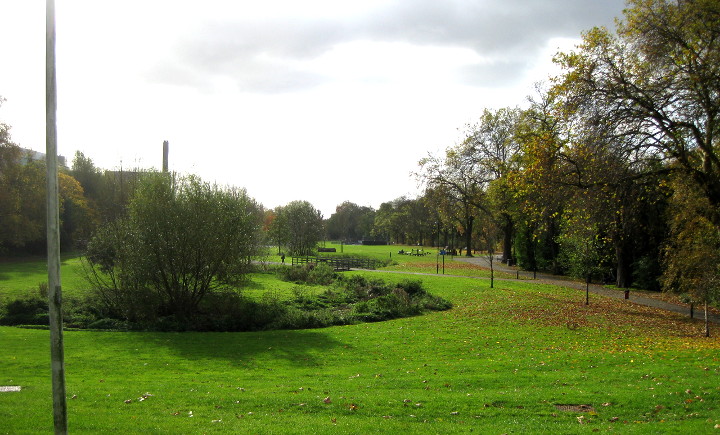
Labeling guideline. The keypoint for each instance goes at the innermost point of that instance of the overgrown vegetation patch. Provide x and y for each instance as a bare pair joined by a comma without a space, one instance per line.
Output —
355,298
346,299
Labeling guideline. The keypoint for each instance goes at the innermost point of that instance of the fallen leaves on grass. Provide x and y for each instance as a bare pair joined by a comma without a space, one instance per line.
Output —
139,399
620,316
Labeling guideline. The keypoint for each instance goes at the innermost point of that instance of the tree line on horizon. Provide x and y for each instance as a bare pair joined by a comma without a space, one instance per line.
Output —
611,172
613,169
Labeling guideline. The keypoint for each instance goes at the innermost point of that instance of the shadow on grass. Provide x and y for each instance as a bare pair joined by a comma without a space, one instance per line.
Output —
303,348
13,270
23,267
251,284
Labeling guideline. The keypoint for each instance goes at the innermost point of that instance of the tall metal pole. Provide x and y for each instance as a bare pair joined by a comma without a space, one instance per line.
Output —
57,353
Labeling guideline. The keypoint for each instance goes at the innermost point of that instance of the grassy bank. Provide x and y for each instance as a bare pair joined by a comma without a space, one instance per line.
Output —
18,277
517,358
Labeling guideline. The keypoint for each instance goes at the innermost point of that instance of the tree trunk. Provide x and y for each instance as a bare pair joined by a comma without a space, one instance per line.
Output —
492,272
707,324
468,236
622,256
508,227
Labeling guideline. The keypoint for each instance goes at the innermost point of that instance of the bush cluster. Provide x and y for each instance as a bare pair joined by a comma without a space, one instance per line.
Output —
320,274
348,299
355,298
32,310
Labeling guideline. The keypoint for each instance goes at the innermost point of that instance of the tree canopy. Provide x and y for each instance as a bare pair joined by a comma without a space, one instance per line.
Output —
182,239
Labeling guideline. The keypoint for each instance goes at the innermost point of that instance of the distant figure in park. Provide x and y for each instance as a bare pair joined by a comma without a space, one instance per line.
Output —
282,258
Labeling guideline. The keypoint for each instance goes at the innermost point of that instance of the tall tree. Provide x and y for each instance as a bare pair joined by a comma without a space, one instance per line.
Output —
350,222
653,86
456,177
492,147
692,252
90,177
298,226
537,188
392,221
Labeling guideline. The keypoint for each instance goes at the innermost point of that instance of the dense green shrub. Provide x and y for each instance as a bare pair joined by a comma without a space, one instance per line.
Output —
412,287
28,310
109,324
294,274
33,310
311,273
182,239
322,274
351,299
646,272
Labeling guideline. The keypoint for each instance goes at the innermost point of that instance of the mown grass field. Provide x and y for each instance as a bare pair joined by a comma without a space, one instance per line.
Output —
430,262
18,277
517,358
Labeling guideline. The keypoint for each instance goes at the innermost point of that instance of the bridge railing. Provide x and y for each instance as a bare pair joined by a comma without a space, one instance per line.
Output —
337,263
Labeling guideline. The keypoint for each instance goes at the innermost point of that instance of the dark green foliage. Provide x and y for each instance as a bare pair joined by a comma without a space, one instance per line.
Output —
298,227
359,288
30,310
183,239
109,324
321,274
350,299
646,273
33,310
538,252
350,222
412,287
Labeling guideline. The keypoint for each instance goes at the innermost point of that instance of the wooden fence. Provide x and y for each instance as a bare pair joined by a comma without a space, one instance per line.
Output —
337,263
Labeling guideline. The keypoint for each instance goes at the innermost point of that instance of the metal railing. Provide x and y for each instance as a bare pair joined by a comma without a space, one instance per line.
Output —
337,263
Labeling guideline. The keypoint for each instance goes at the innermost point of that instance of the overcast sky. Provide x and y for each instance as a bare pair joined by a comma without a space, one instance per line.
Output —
323,100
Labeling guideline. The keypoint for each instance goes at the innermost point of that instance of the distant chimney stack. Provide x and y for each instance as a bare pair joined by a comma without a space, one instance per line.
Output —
166,150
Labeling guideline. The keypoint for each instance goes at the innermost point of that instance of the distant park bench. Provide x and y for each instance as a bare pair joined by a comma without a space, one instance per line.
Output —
337,263
327,250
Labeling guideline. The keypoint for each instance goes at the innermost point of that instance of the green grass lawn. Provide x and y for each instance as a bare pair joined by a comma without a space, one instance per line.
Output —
19,277
261,283
430,263
500,361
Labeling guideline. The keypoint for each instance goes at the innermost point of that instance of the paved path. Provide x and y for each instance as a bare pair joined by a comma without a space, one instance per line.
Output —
543,278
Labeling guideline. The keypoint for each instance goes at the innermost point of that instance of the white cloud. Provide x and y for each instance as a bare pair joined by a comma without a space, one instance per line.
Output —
319,100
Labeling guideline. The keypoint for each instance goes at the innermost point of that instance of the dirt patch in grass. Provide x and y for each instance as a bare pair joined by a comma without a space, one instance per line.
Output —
575,408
